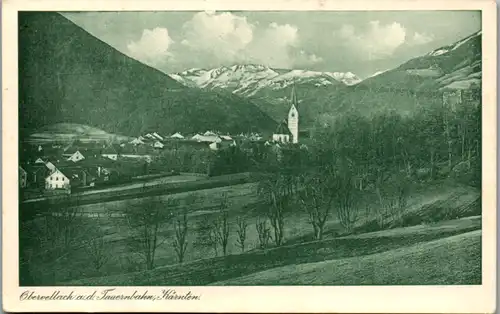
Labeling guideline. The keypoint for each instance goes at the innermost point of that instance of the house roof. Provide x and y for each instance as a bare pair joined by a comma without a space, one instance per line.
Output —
177,135
283,128
109,150
158,136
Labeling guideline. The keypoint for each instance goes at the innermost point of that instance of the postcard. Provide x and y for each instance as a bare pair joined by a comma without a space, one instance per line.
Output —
222,156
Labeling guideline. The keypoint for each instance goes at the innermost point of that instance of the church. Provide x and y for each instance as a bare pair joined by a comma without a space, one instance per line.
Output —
288,130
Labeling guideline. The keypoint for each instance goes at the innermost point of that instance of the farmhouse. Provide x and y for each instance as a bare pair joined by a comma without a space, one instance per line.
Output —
57,180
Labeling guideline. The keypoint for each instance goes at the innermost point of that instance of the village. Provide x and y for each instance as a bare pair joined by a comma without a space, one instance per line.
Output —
55,169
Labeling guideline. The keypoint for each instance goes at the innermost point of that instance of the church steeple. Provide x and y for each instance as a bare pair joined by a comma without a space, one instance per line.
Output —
293,117
293,98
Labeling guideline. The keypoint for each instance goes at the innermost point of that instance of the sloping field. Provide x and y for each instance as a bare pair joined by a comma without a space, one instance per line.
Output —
452,260
231,267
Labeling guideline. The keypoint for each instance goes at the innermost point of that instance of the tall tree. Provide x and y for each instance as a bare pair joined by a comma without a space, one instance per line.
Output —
145,221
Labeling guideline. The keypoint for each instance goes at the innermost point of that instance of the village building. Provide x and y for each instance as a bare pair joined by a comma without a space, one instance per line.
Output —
150,136
23,178
57,180
209,133
110,152
36,174
208,138
158,144
137,141
76,156
196,137
137,152
157,136
39,161
177,136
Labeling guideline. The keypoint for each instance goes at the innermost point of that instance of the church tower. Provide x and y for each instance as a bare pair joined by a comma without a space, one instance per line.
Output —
293,117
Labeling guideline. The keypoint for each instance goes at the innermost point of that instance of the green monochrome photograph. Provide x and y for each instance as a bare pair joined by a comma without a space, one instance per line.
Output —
250,148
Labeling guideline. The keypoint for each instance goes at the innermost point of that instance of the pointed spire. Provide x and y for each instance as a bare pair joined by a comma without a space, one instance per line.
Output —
293,98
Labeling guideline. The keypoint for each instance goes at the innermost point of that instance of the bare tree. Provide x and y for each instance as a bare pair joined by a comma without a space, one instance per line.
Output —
60,229
344,200
181,230
264,233
316,199
145,221
393,199
221,225
207,235
95,247
278,192
242,232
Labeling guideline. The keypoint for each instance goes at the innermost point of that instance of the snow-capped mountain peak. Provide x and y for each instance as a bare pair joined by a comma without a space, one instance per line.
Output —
248,79
446,49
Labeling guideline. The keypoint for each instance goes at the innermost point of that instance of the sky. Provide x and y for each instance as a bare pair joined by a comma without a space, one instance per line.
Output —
361,42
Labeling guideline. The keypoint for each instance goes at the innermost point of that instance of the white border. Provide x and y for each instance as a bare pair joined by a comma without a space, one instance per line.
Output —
348,299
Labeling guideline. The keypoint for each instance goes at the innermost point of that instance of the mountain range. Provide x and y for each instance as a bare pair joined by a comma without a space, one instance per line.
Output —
415,82
67,75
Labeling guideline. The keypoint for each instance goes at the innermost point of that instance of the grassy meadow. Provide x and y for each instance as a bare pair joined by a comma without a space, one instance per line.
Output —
53,263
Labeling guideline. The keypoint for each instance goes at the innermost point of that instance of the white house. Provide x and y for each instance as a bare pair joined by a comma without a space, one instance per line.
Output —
177,135
150,136
57,180
226,137
77,156
158,144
